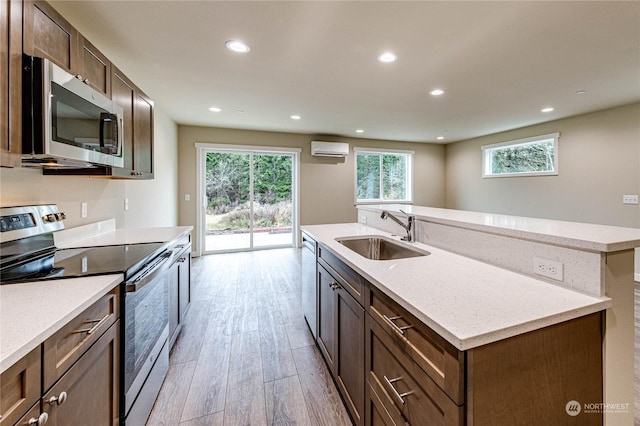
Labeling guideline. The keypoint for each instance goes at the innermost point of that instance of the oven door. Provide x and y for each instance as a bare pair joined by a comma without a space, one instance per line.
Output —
146,332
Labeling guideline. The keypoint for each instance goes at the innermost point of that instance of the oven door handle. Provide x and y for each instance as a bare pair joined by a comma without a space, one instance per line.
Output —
150,272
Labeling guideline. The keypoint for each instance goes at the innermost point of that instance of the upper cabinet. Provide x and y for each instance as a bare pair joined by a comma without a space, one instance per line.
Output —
10,82
48,35
93,67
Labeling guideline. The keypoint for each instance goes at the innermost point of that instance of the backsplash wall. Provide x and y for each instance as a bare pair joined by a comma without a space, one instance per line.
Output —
151,203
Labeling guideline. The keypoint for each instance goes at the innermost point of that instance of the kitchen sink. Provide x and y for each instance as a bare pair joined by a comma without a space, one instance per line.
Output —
375,247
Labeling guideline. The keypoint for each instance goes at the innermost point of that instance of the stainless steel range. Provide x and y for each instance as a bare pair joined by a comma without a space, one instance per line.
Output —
28,254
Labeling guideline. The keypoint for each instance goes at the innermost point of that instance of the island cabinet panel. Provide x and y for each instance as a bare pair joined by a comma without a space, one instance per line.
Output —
90,387
407,394
341,340
439,359
48,35
10,82
20,387
531,378
353,282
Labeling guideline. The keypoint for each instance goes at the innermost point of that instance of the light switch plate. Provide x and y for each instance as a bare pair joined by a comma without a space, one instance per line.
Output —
629,199
83,209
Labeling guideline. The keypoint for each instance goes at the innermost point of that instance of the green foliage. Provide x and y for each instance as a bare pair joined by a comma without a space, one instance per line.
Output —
228,179
390,168
538,157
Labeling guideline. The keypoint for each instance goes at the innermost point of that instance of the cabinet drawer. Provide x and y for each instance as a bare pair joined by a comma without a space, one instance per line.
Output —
404,389
20,387
65,347
440,360
351,280
377,414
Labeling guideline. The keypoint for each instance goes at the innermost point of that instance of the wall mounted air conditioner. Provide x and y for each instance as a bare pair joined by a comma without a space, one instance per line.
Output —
329,149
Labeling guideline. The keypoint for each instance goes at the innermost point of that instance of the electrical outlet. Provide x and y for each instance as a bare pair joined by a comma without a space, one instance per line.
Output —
126,204
187,197
629,199
83,209
548,268
363,219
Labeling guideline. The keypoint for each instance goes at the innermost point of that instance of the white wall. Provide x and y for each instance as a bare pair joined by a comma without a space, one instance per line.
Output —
599,161
151,203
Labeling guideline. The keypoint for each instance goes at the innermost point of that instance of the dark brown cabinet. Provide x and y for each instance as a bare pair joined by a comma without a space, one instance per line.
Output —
73,378
89,392
20,387
10,82
93,67
341,339
48,35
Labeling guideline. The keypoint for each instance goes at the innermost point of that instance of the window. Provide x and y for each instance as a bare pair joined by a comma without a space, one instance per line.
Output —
536,156
383,176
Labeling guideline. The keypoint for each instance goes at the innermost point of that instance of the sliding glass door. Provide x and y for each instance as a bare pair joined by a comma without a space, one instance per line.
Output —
249,200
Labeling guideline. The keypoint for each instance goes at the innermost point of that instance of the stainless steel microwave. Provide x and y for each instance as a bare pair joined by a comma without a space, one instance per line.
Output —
65,122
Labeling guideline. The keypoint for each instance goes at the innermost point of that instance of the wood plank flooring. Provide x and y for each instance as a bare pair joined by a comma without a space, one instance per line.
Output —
245,355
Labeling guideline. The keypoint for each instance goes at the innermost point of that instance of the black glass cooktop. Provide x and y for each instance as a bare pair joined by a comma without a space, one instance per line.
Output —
81,262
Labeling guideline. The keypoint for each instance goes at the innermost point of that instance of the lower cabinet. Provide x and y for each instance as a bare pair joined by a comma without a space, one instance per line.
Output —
73,378
179,288
341,340
413,376
89,392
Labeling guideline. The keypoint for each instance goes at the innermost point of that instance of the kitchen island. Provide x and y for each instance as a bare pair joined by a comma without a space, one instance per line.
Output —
478,287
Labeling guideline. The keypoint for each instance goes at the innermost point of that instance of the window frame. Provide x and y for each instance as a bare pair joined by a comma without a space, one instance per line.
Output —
382,151
487,149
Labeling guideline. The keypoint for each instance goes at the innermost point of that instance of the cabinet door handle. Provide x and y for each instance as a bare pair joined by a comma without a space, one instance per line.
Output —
40,421
399,396
395,326
95,327
334,285
59,400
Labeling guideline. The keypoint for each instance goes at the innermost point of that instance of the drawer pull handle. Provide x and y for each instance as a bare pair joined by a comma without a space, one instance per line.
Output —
95,327
399,396
59,400
334,285
395,326
40,421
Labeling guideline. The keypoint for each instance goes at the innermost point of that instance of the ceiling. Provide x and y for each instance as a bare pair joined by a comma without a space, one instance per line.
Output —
499,63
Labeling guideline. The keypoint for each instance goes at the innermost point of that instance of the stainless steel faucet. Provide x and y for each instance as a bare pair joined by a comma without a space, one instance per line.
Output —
407,227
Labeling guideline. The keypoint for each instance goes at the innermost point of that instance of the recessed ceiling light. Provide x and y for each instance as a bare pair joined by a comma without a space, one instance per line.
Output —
359,131
440,138
215,109
436,92
237,46
548,109
581,92
387,57
296,117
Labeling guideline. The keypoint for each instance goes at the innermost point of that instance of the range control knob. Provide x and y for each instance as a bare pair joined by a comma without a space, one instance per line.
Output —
49,218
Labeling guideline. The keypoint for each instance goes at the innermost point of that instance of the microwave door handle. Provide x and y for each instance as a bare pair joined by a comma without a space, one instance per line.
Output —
104,117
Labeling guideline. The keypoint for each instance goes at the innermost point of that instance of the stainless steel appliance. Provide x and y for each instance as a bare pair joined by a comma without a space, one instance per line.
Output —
65,121
309,283
28,255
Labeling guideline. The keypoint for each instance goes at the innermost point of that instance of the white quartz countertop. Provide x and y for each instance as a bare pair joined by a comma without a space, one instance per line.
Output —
586,236
105,234
468,302
32,312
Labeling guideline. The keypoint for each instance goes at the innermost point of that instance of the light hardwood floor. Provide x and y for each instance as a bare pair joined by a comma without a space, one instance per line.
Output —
245,355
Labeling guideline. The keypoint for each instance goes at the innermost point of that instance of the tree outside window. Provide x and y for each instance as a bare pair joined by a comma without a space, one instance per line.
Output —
383,176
